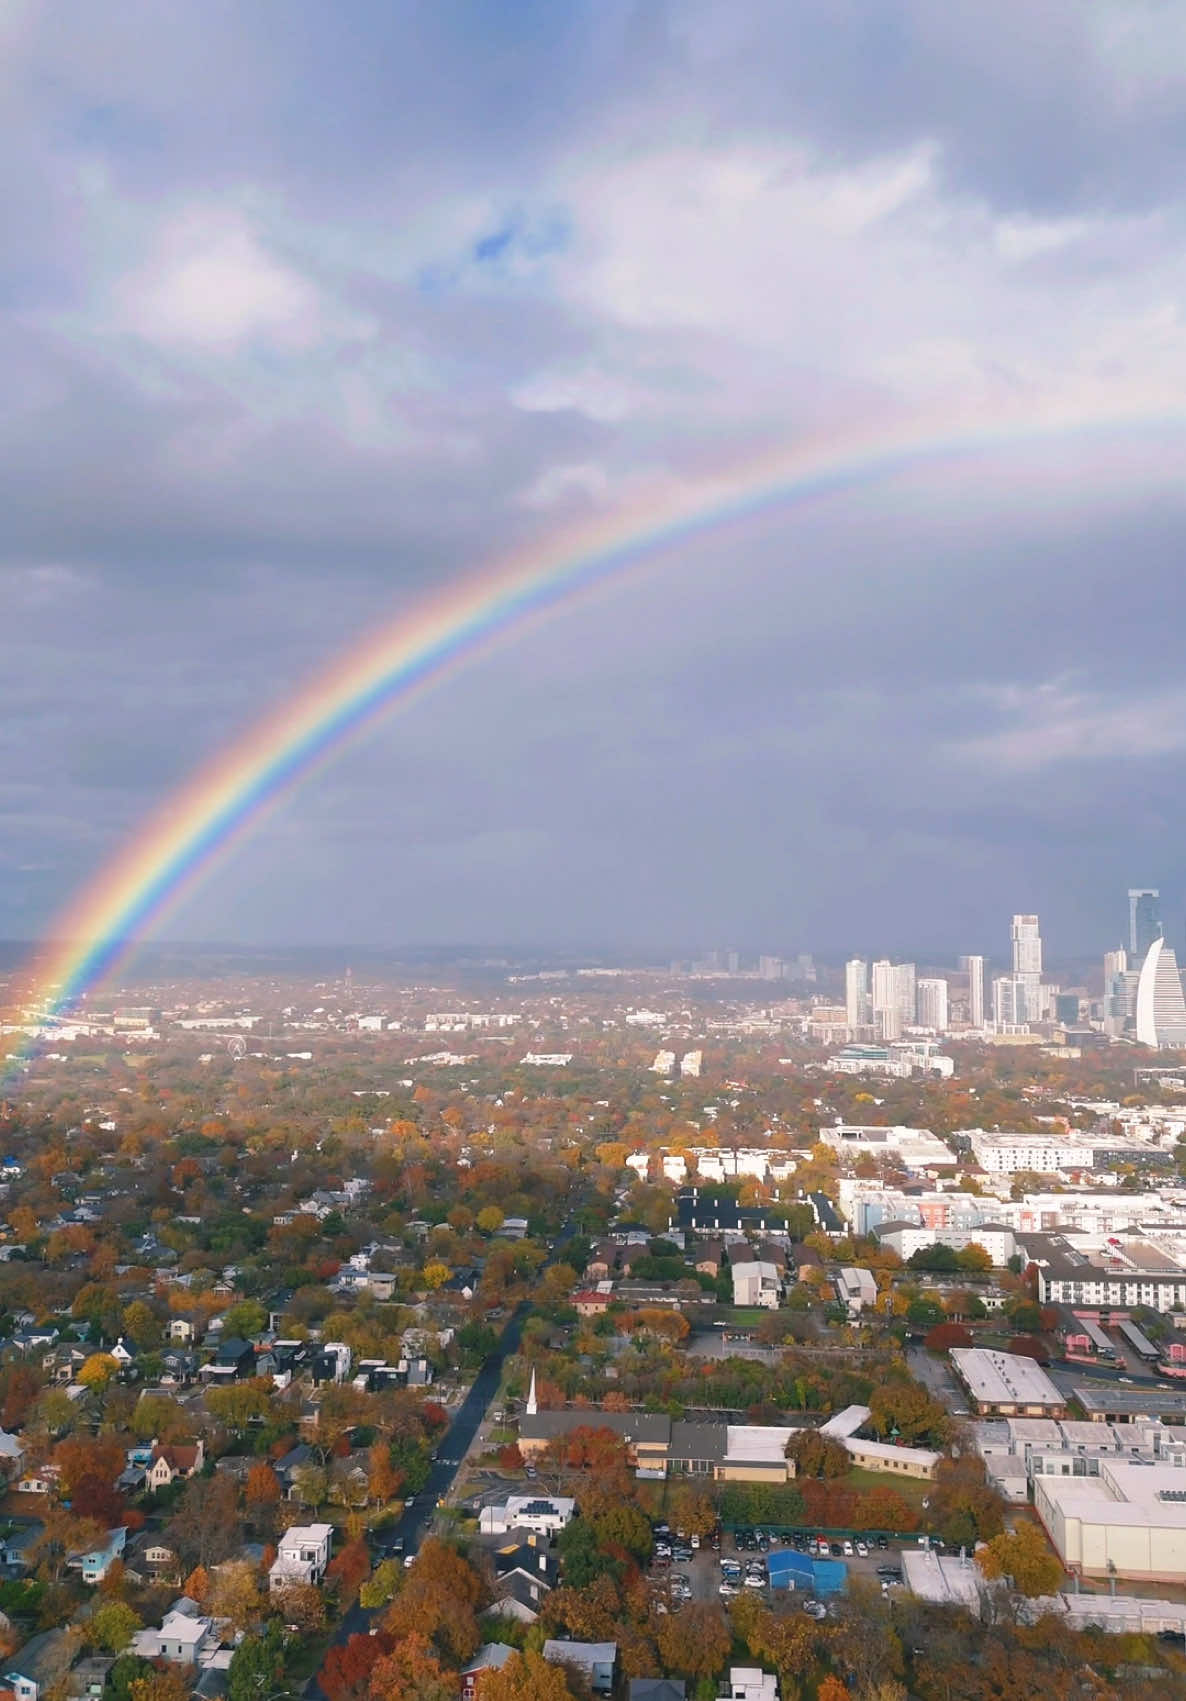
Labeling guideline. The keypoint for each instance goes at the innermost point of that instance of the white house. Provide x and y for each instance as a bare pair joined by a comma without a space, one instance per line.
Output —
302,1556
544,1515
757,1283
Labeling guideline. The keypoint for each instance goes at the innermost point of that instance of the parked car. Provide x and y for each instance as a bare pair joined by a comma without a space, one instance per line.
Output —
837,1551
863,1550
848,1550
725,1587
815,1609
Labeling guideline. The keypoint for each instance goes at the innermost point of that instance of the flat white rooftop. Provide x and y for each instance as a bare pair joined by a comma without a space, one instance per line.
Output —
1005,1378
757,1442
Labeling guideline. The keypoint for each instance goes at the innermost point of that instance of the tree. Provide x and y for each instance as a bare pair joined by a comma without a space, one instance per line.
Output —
832,1689
973,1257
435,1274
526,1677
245,1319
303,1605
257,1666
235,1594
696,1641
489,1219
125,1671
1022,1553
112,1626
98,1370
205,1529
346,1672
944,1336
381,1585
262,1493
141,1327
383,1480
169,1683
816,1455
413,1672
692,1510
909,1409
82,1457
350,1568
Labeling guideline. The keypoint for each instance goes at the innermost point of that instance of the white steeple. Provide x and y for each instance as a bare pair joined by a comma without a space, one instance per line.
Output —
532,1402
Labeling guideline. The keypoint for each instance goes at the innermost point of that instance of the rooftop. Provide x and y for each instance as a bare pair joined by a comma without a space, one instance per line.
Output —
1004,1378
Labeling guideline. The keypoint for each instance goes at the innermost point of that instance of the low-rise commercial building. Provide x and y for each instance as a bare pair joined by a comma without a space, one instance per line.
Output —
1007,1383
1129,1521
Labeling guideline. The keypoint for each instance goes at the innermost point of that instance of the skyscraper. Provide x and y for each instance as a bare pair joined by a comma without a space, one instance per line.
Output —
1161,1008
856,993
932,1004
1144,920
1027,946
887,1016
975,968
1027,968
893,1000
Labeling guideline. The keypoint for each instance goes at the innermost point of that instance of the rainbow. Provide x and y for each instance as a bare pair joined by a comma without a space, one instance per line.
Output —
202,821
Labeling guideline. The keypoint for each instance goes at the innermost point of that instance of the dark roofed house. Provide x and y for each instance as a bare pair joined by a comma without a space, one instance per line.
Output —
40,1665
238,1355
657,1689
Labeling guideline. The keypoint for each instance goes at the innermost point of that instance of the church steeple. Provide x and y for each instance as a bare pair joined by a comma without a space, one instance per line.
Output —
532,1402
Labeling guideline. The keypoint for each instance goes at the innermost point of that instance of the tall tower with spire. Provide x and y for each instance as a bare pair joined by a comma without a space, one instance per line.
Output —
532,1402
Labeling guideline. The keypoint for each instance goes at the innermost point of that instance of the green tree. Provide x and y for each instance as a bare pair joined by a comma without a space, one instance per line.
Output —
244,1319
257,1666
112,1626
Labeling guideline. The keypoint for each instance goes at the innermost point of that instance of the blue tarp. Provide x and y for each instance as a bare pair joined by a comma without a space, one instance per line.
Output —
820,1576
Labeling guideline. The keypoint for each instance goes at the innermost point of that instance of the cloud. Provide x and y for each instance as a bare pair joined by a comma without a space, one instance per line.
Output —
211,285
299,323
1053,724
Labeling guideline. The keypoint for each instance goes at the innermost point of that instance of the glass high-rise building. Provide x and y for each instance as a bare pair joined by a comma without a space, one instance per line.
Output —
1144,920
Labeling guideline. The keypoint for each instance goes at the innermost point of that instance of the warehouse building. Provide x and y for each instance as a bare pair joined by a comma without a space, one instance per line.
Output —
1129,1521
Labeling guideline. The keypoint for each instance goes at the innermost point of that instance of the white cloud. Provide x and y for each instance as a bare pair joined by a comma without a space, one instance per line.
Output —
585,481
211,284
1053,724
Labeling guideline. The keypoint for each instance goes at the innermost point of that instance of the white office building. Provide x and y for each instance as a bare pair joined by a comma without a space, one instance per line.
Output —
1161,1008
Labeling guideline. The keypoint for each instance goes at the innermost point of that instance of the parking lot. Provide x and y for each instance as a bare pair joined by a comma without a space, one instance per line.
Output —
741,1563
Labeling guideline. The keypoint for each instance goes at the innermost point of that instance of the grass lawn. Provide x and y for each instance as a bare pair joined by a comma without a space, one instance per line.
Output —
914,1490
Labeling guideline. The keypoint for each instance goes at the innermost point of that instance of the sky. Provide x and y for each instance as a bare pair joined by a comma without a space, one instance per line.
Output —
308,310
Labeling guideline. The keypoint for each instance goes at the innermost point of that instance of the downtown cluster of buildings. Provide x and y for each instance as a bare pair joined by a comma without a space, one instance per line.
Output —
886,1002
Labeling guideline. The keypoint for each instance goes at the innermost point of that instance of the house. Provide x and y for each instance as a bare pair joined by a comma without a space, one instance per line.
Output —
707,1261
88,1679
595,1661
44,1480
185,1638
545,1515
757,1283
178,1368
236,1355
181,1331
170,1463
657,1689
302,1556
603,1262
519,1597
751,1683
491,1656
17,1547
593,1302
96,1562
40,1665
